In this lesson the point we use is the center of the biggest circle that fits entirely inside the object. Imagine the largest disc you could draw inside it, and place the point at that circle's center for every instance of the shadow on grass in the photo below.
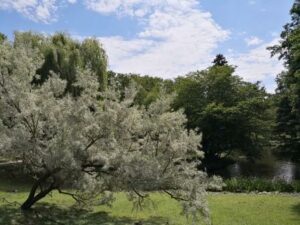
(296, 208)
(13, 179)
(48, 214)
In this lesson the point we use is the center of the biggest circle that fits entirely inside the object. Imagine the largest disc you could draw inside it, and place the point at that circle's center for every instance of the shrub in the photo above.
(260, 185)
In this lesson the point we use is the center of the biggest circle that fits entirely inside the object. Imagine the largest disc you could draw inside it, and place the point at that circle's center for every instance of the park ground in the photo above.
(226, 209)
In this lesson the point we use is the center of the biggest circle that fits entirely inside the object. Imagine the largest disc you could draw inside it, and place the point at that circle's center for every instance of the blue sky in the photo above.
(163, 38)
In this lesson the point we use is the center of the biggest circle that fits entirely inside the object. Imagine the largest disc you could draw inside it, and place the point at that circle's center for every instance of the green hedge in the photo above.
(260, 185)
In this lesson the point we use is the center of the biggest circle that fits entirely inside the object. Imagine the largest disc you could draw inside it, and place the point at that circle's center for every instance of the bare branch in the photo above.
(139, 194)
(175, 197)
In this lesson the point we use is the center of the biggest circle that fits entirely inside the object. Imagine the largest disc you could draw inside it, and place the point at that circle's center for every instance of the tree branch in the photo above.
(139, 194)
(175, 197)
(76, 198)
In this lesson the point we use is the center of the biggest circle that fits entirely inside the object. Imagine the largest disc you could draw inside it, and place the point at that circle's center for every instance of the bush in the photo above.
(260, 185)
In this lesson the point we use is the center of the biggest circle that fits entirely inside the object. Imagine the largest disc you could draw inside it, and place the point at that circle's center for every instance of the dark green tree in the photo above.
(3, 37)
(288, 91)
(231, 114)
(220, 60)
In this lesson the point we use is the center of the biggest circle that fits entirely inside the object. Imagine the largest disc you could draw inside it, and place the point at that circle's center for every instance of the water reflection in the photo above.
(268, 168)
(286, 171)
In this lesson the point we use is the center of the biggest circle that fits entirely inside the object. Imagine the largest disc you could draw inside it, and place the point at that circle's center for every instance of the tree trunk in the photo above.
(31, 200)
(33, 197)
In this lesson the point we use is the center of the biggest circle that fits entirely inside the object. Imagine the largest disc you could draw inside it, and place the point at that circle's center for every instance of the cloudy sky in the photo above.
(163, 38)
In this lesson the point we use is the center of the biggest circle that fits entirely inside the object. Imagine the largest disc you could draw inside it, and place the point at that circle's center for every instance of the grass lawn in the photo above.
(226, 209)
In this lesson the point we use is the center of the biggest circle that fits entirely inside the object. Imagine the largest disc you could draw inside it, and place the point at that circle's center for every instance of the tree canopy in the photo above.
(288, 91)
(63, 55)
(231, 114)
(90, 145)
(149, 88)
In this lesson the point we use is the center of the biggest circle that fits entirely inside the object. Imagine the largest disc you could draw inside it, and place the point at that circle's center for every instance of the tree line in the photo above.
(233, 116)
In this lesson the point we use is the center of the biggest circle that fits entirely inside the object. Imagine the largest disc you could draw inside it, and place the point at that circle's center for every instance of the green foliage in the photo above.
(260, 185)
(65, 56)
(94, 143)
(2, 38)
(288, 91)
(95, 59)
(149, 88)
(231, 114)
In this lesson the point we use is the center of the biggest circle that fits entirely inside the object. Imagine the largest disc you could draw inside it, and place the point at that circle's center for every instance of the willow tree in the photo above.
(63, 55)
(94, 147)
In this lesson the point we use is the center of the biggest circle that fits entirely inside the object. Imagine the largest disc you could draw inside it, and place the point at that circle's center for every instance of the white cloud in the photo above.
(176, 40)
(252, 41)
(133, 7)
(257, 64)
(177, 37)
(72, 1)
(36, 10)
(120, 49)
(43, 11)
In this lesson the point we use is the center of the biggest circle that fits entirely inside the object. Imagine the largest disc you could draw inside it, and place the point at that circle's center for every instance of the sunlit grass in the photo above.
(226, 209)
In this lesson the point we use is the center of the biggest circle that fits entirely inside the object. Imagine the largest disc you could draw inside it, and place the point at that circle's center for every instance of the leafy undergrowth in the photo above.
(261, 185)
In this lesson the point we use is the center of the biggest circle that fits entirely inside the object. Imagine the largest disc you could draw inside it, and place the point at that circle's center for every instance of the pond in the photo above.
(269, 167)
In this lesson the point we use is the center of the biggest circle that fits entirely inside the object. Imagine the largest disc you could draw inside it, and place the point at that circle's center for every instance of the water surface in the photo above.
(269, 167)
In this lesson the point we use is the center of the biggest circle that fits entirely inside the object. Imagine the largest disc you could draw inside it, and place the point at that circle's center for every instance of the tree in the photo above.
(288, 91)
(2, 38)
(95, 59)
(94, 147)
(231, 114)
(220, 60)
(63, 55)
(149, 88)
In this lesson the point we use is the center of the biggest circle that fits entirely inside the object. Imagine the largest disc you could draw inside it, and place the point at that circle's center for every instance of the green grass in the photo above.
(226, 209)
(251, 209)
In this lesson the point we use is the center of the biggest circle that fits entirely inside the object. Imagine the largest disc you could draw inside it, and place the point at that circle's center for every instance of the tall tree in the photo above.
(63, 56)
(94, 146)
(288, 91)
(230, 113)
(95, 59)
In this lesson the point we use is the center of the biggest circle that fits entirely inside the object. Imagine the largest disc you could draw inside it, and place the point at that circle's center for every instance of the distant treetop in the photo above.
(3, 37)
(220, 60)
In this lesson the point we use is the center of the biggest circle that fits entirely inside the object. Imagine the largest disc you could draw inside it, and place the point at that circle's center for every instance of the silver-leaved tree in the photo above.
(93, 145)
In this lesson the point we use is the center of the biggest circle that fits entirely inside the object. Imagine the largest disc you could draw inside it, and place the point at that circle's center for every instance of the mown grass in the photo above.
(226, 209)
